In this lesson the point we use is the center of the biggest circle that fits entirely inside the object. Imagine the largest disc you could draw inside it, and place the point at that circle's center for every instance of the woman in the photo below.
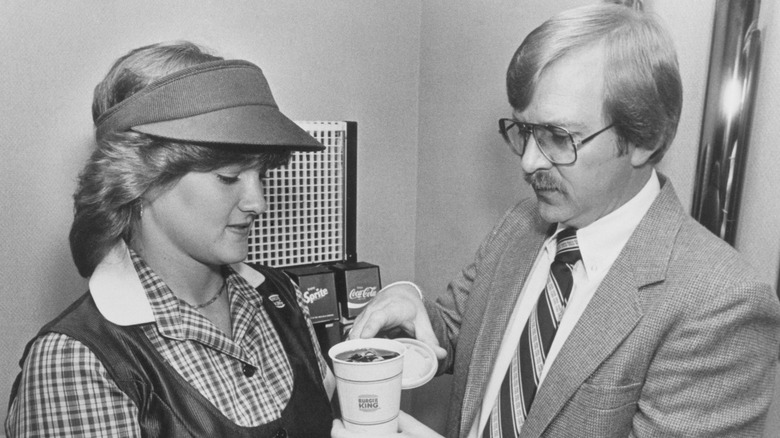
(175, 336)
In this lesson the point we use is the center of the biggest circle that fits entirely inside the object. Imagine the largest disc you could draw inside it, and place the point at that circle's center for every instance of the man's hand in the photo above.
(408, 427)
(397, 306)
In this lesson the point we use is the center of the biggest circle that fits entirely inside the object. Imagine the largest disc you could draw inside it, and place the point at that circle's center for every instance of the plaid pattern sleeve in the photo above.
(315, 341)
(66, 391)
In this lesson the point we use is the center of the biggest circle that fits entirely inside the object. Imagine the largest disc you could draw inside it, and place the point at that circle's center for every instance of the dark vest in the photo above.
(169, 406)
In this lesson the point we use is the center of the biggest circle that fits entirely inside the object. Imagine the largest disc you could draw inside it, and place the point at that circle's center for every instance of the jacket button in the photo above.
(281, 433)
(249, 370)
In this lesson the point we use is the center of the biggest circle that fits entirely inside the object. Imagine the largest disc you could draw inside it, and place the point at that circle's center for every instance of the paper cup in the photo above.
(369, 392)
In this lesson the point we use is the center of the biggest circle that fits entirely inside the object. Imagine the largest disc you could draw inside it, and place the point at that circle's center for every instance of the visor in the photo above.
(218, 102)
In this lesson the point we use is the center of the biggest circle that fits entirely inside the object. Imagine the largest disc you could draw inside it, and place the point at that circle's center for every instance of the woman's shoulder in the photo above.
(55, 364)
(55, 359)
(277, 278)
(58, 347)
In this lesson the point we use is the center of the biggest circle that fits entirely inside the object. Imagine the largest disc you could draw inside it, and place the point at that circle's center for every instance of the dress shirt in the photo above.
(600, 244)
(127, 292)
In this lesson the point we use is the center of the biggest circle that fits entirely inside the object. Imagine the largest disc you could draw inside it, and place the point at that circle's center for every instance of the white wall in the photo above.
(342, 60)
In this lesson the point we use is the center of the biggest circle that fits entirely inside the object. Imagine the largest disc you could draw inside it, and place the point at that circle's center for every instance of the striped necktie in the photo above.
(522, 378)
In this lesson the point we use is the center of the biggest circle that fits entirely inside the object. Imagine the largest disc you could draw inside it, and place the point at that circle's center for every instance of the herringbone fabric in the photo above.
(659, 351)
(522, 378)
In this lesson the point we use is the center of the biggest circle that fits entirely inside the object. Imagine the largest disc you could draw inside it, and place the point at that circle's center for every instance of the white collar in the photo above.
(601, 242)
(121, 298)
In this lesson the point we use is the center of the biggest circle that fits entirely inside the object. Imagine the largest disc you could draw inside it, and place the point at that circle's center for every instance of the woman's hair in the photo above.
(643, 90)
(127, 165)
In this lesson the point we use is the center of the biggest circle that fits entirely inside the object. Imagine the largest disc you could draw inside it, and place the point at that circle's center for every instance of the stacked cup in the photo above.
(370, 374)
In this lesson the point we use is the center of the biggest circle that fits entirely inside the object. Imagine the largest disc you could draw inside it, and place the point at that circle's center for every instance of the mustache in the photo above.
(543, 181)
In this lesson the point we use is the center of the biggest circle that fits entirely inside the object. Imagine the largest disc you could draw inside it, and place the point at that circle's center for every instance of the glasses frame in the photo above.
(504, 124)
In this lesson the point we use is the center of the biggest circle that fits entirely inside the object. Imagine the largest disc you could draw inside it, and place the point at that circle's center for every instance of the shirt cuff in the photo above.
(406, 283)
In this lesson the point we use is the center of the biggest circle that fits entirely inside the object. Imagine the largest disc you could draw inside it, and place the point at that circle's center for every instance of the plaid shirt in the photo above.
(66, 391)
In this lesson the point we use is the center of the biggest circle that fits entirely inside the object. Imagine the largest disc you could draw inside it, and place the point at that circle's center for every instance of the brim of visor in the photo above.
(256, 128)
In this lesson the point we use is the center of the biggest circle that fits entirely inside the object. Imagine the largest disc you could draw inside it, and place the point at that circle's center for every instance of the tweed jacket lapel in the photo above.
(614, 310)
(504, 290)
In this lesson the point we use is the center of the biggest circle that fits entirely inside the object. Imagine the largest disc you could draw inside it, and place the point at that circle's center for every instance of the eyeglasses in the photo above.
(556, 144)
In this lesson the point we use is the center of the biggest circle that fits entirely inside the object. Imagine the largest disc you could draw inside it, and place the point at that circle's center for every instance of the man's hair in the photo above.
(127, 165)
(642, 86)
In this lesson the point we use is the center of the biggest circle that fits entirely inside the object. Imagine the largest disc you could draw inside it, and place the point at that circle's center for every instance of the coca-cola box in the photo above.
(356, 284)
(317, 284)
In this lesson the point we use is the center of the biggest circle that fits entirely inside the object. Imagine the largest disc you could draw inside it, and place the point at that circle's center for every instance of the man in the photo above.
(599, 308)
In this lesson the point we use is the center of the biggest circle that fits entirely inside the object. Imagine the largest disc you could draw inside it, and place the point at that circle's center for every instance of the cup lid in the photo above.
(420, 363)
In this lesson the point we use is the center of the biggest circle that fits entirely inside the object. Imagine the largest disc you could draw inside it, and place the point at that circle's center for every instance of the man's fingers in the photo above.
(382, 313)
(368, 324)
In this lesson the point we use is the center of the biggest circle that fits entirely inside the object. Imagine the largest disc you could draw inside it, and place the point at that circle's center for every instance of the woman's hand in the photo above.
(408, 427)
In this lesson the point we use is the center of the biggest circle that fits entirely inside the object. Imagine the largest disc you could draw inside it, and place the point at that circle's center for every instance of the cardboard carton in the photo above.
(317, 284)
(356, 284)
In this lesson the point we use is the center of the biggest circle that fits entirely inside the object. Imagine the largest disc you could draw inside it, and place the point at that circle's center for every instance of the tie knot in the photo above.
(568, 251)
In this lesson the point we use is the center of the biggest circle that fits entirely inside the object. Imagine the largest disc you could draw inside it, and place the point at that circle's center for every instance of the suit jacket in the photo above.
(680, 339)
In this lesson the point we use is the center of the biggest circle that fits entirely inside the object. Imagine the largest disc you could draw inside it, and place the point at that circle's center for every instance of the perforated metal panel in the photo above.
(309, 218)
